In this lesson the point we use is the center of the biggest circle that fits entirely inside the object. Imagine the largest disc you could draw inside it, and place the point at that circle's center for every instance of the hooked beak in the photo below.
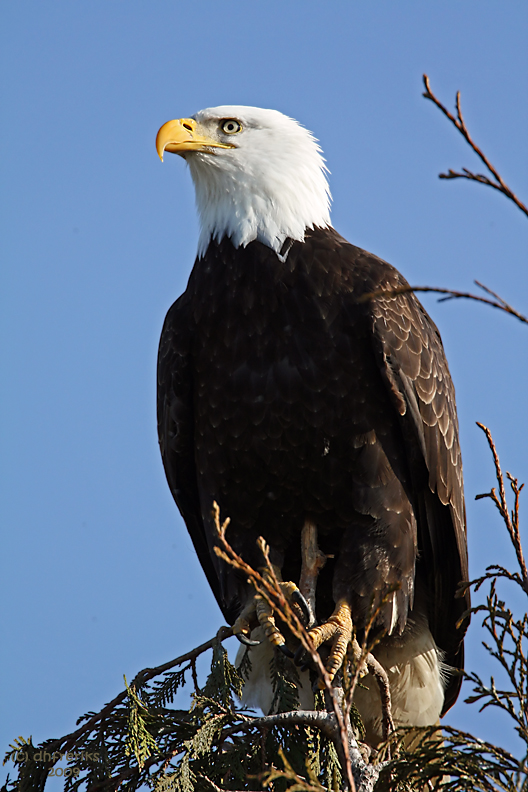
(182, 135)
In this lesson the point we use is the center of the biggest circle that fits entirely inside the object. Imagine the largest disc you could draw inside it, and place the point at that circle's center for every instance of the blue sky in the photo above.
(98, 240)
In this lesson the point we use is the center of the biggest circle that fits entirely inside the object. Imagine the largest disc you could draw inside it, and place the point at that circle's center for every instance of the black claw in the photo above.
(298, 598)
(247, 641)
(285, 651)
(299, 656)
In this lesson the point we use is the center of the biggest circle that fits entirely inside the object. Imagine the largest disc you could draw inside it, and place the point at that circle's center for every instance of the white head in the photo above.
(257, 174)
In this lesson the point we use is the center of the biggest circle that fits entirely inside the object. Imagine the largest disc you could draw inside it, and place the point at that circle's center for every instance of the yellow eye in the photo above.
(231, 126)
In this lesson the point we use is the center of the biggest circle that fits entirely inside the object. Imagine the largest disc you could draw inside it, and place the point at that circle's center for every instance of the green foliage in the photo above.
(288, 774)
(452, 761)
(224, 680)
(139, 742)
(285, 681)
(31, 774)
(246, 665)
(164, 690)
(20, 745)
(326, 760)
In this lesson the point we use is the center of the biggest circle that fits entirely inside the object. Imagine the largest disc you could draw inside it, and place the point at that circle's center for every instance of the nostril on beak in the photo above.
(187, 126)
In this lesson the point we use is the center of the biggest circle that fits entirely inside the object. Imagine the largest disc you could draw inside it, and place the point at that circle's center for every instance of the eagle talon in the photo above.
(259, 612)
(246, 619)
(299, 600)
(300, 658)
(247, 641)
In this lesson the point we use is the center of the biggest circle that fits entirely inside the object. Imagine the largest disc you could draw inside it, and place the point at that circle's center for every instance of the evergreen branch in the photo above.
(289, 774)
(285, 682)
(139, 742)
(449, 759)
(66, 743)
(165, 690)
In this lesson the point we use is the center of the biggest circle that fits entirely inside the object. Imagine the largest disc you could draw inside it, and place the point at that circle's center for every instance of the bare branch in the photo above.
(499, 183)
(272, 593)
(363, 661)
(451, 294)
(511, 520)
(324, 721)
(377, 670)
(312, 563)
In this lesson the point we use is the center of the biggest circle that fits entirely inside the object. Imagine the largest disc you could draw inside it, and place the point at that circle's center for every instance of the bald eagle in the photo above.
(291, 399)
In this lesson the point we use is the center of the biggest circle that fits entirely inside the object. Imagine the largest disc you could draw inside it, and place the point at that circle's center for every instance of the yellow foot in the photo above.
(338, 628)
(258, 611)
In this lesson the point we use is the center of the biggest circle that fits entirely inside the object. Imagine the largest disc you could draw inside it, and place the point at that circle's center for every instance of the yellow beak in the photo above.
(182, 135)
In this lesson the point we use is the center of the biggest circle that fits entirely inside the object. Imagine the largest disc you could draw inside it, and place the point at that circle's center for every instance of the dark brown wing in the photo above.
(176, 430)
(414, 365)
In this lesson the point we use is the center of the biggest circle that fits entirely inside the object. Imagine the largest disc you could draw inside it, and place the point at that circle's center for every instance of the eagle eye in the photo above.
(231, 126)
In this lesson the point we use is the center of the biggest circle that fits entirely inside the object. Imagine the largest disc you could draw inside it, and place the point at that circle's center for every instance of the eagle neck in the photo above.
(269, 210)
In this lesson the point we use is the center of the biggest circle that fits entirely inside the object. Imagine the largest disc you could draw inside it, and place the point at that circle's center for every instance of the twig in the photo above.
(299, 630)
(272, 592)
(324, 721)
(499, 303)
(377, 670)
(312, 563)
(499, 183)
(289, 774)
(511, 520)
(363, 657)
(215, 787)
(194, 675)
